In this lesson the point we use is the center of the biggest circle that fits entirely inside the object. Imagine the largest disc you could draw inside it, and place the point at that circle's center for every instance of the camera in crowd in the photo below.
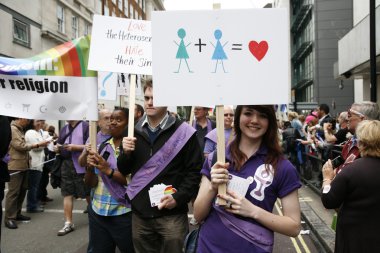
(337, 161)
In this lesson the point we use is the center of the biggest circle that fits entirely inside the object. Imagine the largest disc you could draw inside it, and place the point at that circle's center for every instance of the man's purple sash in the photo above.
(116, 190)
(255, 234)
(158, 162)
(76, 138)
(214, 137)
(209, 125)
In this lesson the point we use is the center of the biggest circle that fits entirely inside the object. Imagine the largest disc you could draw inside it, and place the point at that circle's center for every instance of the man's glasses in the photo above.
(228, 114)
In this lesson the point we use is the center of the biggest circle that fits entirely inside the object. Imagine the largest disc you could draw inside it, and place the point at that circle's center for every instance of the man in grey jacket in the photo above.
(18, 166)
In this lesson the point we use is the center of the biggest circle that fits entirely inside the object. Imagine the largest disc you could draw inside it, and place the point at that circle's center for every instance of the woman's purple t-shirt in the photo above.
(214, 237)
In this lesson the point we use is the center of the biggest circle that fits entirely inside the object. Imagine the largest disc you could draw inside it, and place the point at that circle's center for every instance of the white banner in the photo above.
(220, 57)
(49, 97)
(121, 45)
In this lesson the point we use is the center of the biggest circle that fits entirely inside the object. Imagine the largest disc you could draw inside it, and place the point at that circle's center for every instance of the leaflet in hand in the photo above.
(158, 191)
(239, 185)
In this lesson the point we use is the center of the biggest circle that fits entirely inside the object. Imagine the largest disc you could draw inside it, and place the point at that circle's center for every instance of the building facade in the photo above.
(31, 27)
(315, 29)
(354, 51)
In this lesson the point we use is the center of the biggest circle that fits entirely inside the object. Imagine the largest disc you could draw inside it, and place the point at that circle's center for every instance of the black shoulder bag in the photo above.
(55, 174)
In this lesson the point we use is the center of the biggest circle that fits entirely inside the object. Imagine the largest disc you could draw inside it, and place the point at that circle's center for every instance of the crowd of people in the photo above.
(176, 162)
(349, 177)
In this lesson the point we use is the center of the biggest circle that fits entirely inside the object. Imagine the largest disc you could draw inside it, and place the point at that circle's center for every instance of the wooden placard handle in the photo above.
(93, 133)
(221, 151)
(191, 119)
(132, 102)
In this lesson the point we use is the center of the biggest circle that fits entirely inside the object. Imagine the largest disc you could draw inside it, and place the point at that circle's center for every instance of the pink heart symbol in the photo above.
(258, 50)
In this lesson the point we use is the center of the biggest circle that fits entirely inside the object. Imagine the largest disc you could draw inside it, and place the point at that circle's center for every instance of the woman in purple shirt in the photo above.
(255, 168)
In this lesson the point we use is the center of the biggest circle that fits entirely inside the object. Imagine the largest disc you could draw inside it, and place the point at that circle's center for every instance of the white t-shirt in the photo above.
(37, 154)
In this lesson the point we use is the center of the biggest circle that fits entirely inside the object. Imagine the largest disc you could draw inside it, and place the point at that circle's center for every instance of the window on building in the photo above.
(21, 32)
(61, 18)
(126, 7)
(120, 4)
(106, 10)
(87, 29)
(75, 27)
(130, 11)
(99, 7)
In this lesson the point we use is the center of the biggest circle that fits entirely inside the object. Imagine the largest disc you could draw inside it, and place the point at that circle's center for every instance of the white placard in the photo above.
(107, 82)
(121, 45)
(49, 97)
(123, 87)
(122, 84)
(220, 57)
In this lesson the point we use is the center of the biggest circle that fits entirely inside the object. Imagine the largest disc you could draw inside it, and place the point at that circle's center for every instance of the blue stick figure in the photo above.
(182, 52)
(219, 54)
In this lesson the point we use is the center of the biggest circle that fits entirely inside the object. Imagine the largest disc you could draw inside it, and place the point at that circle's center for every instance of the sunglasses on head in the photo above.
(352, 111)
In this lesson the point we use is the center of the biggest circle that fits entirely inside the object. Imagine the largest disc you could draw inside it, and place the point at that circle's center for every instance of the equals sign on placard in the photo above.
(237, 46)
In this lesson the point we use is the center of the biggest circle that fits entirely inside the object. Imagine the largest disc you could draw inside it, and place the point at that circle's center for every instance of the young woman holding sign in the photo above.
(257, 174)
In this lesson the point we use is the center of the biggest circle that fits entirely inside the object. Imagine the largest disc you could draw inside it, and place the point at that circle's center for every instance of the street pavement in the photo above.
(40, 234)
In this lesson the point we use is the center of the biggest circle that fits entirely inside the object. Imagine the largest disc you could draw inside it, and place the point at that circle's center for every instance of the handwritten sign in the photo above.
(221, 57)
(121, 45)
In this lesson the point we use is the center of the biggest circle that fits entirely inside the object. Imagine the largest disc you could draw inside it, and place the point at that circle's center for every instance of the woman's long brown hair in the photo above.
(270, 138)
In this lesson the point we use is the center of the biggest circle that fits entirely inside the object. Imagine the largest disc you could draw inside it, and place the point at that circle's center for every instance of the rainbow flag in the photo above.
(54, 84)
(68, 59)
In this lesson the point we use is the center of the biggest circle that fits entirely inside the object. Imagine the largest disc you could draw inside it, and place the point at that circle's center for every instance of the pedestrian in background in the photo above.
(202, 124)
(254, 157)
(355, 192)
(37, 155)
(323, 112)
(341, 135)
(49, 161)
(357, 113)
(19, 167)
(211, 137)
(71, 143)
(295, 122)
(5, 140)
(139, 112)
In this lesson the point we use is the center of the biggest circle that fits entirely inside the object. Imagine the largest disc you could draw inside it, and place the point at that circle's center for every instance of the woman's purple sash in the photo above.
(116, 190)
(158, 162)
(255, 234)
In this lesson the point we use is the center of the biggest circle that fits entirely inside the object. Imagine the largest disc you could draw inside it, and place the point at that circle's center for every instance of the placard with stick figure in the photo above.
(221, 57)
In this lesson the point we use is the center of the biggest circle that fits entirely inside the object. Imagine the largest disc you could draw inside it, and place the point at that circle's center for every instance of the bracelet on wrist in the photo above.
(90, 169)
(111, 174)
(327, 179)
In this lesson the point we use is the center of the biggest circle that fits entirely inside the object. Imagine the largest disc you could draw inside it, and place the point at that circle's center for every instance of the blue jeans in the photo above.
(32, 201)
